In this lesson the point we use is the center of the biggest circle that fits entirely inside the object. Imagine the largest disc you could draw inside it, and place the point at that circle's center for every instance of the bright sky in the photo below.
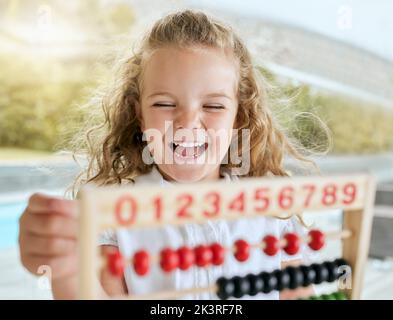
(364, 23)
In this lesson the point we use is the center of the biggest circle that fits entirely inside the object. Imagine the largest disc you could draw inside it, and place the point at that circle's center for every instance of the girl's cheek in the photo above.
(158, 120)
(165, 119)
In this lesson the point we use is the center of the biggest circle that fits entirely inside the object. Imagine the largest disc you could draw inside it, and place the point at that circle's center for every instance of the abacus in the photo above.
(152, 206)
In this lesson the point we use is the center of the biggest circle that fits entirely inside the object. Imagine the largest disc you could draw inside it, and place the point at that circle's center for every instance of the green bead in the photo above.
(332, 296)
(340, 295)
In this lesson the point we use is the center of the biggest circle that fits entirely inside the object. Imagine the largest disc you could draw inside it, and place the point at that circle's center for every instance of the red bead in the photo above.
(116, 263)
(218, 254)
(203, 255)
(293, 243)
(242, 250)
(141, 262)
(317, 239)
(169, 260)
(272, 245)
(186, 257)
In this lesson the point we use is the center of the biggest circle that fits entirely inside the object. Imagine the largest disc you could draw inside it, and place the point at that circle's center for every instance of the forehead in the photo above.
(196, 69)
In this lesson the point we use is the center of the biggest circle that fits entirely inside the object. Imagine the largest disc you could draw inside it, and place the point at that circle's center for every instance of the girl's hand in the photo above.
(48, 235)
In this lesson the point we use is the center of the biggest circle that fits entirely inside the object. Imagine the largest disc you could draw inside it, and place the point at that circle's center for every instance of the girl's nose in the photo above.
(188, 119)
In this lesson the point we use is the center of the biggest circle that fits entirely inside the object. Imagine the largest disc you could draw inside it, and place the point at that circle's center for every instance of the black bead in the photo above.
(282, 279)
(321, 273)
(226, 288)
(269, 282)
(296, 277)
(340, 262)
(332, 271)
(242, 286)
(343, 268)
(256, 284)
(309, 275)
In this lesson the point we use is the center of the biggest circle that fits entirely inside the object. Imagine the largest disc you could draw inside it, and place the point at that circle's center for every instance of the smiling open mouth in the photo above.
(188, 150)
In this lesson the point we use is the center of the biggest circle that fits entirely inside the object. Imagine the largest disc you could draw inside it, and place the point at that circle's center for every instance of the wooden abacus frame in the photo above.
(146, 206)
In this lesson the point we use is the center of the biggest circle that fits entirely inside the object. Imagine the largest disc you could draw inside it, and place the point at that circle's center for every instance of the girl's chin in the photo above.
(187, 173)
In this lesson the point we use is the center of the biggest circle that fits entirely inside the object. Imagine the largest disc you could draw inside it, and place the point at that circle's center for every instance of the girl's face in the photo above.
(188, 105)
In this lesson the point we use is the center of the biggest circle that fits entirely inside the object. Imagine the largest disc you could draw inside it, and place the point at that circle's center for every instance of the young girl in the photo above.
(193, 75)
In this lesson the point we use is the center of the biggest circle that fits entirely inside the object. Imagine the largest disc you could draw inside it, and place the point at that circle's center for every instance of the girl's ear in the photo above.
(138, 112)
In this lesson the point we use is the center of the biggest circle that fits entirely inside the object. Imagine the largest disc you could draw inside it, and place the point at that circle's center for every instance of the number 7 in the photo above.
(310, 189)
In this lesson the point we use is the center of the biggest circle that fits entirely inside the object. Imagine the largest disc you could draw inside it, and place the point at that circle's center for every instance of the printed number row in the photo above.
(262, 200)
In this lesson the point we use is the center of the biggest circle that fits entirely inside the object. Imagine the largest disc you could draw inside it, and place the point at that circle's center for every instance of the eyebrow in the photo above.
(209, 95)
(217, 95)
(161, 93)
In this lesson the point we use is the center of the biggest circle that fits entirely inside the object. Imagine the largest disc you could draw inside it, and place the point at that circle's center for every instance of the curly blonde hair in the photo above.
(114, 147)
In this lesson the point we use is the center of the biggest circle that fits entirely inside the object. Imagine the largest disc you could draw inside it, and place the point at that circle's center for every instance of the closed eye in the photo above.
(214, 106)
(163, 105)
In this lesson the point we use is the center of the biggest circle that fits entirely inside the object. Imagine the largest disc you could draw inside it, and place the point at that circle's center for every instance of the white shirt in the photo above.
(224, 232)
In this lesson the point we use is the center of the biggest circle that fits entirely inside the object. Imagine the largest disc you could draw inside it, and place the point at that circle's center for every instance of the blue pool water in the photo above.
(9, 224)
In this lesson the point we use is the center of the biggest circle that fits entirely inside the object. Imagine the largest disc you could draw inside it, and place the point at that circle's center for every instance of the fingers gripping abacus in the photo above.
(149, 206)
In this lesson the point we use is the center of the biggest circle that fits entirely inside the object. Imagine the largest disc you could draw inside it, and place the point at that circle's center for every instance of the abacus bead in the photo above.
(295, 277)
(293, 243)
(116, 263)
(169, 260)
(340, 295)
(331, 297)
(282, 278)
(321, 273)
(242, 250)
(332, 271)
(256, 284)
(272, 245)
(218, 252)
(340, 262)
(186, 257)
(317, 239)
(226, 288)
(269, 282)
(141, 262)
(242, 286)
(203, 255)
(308, 275)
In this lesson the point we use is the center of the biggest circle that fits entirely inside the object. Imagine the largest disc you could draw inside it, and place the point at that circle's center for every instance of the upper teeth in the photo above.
(189, 144)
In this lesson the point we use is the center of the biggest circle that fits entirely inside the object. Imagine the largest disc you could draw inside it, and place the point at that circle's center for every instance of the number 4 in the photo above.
(237, 204)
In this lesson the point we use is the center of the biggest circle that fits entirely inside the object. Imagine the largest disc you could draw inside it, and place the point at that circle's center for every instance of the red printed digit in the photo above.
(238, 204)
(187, 200)
(285, 198)
(350, 192)
(125, 218)
(329, 195)
(262, 198)
(310, 189)
(214, 199)
(157, 202)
